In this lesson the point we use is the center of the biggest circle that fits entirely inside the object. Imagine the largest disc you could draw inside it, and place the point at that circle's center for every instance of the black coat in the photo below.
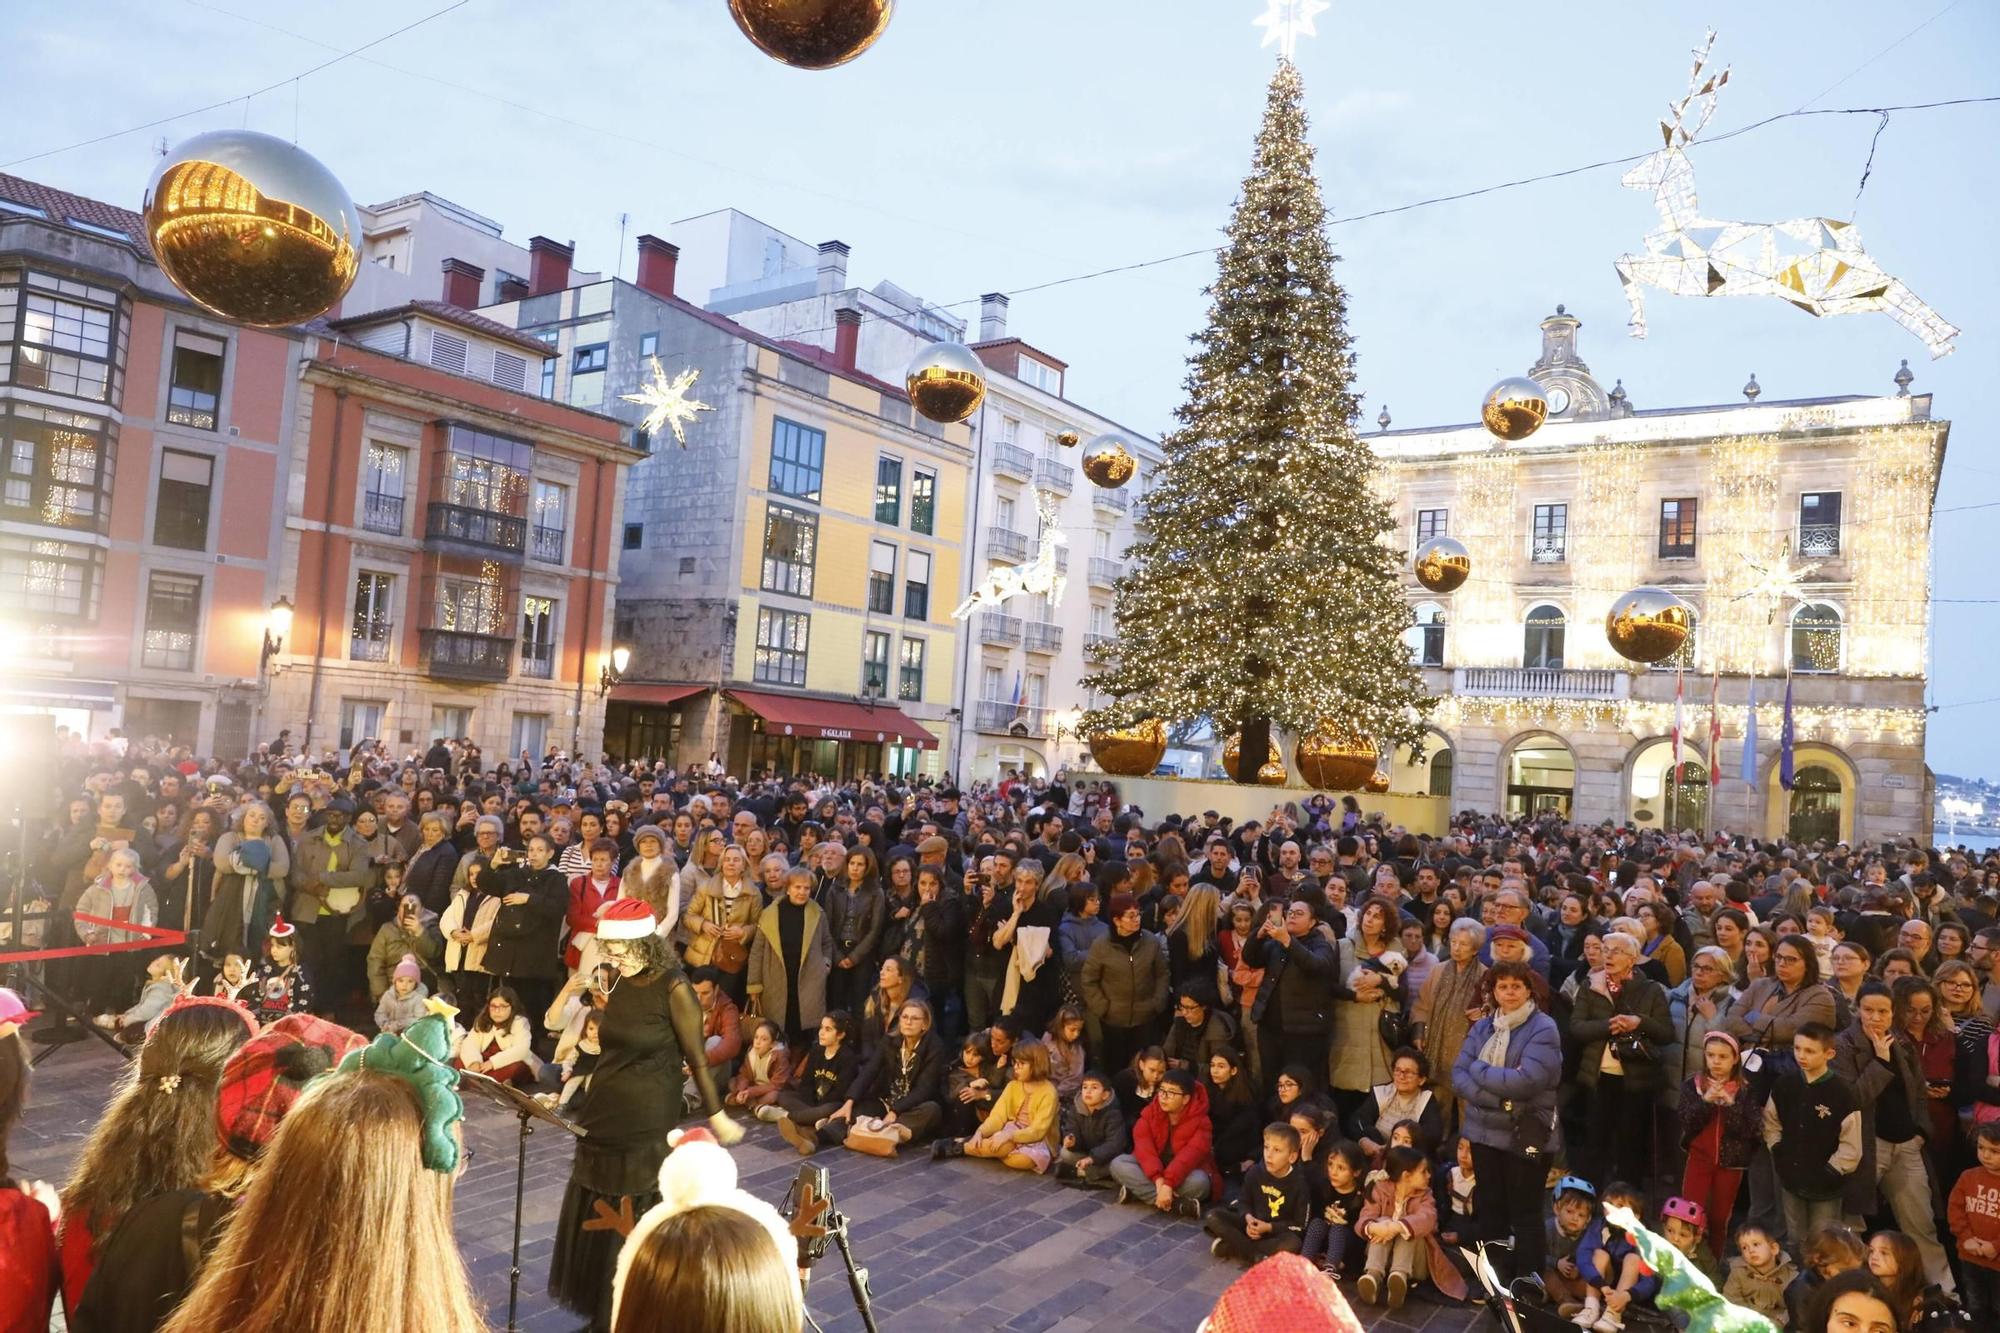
(1298, 978)
(873, 1084)
(526, 936)
(430, 873)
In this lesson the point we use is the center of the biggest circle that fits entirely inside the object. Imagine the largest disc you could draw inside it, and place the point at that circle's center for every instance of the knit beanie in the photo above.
(650, 831)
(408, 968)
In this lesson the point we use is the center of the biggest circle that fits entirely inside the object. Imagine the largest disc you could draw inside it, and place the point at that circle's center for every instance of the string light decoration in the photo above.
(1265, 492)
(1887, 625)
(1285, 21)
(667, 403)
(1743, 520)
(1602, 542)
(1815, 264)
(1483, 610)
(1644, 720)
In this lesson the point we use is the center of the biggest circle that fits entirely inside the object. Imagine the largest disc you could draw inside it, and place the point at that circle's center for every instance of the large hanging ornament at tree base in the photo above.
(1328, 763)
(1377, 784)
(1271, 774)
(1648, 625)
(946, 382)
(1130, 752)
(1108, 462)
(812, 34)
(1514, 408)
(252, 228)
(1443, 564)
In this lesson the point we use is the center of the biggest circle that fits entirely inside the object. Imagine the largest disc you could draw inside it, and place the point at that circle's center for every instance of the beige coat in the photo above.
(709, 905)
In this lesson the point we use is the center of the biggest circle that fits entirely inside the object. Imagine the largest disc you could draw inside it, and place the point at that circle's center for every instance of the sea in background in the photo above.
(1975, 840)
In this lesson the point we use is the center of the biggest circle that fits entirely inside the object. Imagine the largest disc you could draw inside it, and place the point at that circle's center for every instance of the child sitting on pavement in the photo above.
(1270, 1217)
(1093, 1133)
(1759, 1275)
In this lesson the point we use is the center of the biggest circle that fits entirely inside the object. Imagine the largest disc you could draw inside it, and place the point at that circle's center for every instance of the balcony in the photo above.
(1819, 541)
(1054, 475)
(479, 529)
(994, 628)
(546, 544)
(1549, 552)
(1006, 544)
(1541, 683)
(1114, 502)
(1002, 717)
(1093, 642)
(1104, 572)
(1010, 460)
(382, 513)
(1042, 636)
(538, 661)
(453, 655)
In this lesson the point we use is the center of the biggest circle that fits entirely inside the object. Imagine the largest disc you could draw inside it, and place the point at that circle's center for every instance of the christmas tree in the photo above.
(1261, 591)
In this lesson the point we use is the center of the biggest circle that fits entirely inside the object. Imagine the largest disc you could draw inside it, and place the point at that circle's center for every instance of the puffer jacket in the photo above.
(1590, 1028)
(1125, 981)
(1168, 1150)
(1682, 1057)
(1495, 1096)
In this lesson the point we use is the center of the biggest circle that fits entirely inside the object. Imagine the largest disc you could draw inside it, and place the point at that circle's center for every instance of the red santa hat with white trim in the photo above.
(626, 919)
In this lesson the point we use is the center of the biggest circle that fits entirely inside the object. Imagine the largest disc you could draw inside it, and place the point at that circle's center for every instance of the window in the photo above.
(1551, 534)
(538, 637)
(374, 617)
(173, 613)
(1677, 524)
(1542, 646)
(882, 579)
(1044, 377)
(649, 344)
(1038, 689)
(1003, 512)
(634, 536)
(531, 735)
(991, 681)
(470, 605)
(195, 391)
(910, 676)
(57, 468)
(448, 351)
(1426, 636)
(781, 647)
(548, 518)
(66, 334)
(382, 494)
(796, 455)
(551, 337)
(25, 210)
(1100, 620)
(1100, 543)
(51, 578)
(1433, 523)
(360, 720)
(1819, 524)
(592, 357)
(1816, 638)
(875, 664)
(108, 233)
(917, 586)
(487, 473)
(791, 540)
(889, 490)
(449, 721)
(1010, 428)
(923, 501)
(180, 516)
(642, 439)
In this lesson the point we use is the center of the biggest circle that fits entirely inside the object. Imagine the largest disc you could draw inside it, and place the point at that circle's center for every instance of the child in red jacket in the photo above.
(1172, 1162)
(587, 893)
(1974, 1214)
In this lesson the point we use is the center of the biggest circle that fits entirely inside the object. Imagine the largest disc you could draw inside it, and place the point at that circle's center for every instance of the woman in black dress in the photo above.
(650, 1017)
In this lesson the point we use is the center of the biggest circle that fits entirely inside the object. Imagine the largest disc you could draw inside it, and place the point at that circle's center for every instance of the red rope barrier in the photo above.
(156, 937)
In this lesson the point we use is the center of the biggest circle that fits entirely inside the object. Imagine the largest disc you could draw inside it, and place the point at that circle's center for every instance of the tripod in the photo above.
(815, 1221)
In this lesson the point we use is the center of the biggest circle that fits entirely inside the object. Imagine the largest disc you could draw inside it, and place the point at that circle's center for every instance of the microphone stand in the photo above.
(527, 1110)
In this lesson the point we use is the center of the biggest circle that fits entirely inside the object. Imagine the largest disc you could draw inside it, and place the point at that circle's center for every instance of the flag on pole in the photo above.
(1749, 773)
(1786, 738)
(1714, 731)
(1019, 697)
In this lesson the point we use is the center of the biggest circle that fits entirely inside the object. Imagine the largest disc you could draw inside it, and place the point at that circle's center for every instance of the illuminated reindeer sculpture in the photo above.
(1039, 575)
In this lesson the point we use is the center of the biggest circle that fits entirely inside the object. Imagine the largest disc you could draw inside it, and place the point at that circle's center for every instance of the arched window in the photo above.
(1816, 638)
(1542, 639)
(1441, 767)
(1685, 657)
(1426, 637)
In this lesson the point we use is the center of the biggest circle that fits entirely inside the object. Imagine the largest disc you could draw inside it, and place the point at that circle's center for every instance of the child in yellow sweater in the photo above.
(1021, 1128)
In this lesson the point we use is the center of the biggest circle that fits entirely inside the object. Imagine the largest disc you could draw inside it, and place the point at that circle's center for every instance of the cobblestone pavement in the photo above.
(962, 1245)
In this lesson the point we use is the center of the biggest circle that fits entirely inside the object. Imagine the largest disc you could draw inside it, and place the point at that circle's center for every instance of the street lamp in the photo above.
(277, 628)
(613, 671)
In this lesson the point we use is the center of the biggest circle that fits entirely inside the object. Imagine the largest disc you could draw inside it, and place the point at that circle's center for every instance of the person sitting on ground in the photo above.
(1829, 1252)
(1233, 1114)
(406, 1000)
(1574, 1209)
(1330, 1234)
(969, 1088)
(1021, 1128)
(578, 1060)
(1273, 1207)
(500, 1043)
(895, 1098)
(1093, 1133)
(822, 1081)
(1399, 1223)
(1760, 1274)
(1685, 1225)
(1614, 1273)
(1065, 1045)
(1172, 1162)
(164, 985)
(403, 937)
(1137, 1084)
(764, 1073)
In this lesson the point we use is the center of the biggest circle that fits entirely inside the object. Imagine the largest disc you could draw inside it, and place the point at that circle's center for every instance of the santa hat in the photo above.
(1284, 1291)
(282, 929)
(700, 1173)
(626, 919)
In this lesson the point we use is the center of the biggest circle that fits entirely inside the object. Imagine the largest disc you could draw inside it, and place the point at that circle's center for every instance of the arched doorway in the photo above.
(1540, 776)
(1661, 799)
(1816, 804)
(1429, 776)
(1824, 802)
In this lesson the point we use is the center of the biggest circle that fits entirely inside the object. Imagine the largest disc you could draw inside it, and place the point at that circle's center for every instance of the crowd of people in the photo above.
(1315, 1033)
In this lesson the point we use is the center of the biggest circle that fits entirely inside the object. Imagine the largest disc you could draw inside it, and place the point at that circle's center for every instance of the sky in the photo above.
(992, 145)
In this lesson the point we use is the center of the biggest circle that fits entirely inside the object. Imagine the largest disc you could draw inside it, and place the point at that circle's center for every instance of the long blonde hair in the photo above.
(1197, 919)
(341, 1217)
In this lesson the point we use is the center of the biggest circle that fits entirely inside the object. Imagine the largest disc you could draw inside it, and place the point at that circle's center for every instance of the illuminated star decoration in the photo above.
(667, 403)
(1779, 581)
(1288, 20)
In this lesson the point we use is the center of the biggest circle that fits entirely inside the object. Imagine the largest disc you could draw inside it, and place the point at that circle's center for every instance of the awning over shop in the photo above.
(635, 693)
(39, 692)
(827, 719)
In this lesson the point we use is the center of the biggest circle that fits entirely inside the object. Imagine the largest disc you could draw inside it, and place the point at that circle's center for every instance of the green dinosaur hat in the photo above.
(420, 1057)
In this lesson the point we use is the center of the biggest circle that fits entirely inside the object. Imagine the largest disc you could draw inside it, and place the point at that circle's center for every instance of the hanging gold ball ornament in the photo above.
(1442, 564)
(1068, 439)
(1108, 462)
(1377, 783)
(947, 383)
(252, 228)
(1329, 762)
(1515, 408)
(1271, 774)
(1648, 625)
(1130, 752)
(812, 34)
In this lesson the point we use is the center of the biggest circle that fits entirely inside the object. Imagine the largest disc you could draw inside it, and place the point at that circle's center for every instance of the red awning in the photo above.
(635, 693)
(790, 715)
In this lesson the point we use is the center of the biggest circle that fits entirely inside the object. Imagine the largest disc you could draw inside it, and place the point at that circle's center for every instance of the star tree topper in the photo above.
(667, 403)
(1778, 581)
(1288, 20)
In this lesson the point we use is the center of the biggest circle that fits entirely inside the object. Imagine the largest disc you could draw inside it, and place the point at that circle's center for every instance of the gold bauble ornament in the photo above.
(1108, 462)
(1068, 439)
(1377, 783)
(1130, 752)
(812, 34)
(252, 228)
(1272, 774)
(1442, 564)
(1515, 408)
(1329, 762)
(947, 382)
(1648, 625)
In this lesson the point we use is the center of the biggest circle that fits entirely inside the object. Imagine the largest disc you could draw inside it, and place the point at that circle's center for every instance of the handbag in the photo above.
(1393, 1028)
(1633, 1050)
(730, 956)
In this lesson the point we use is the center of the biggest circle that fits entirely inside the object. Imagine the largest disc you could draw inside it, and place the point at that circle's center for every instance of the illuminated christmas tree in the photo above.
(1261, 589)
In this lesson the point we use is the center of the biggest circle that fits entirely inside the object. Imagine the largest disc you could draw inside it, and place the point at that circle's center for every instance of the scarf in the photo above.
(1494, 1052)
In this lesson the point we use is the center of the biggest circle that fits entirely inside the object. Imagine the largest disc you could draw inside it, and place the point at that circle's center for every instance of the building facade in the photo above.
(1799, 531)
(140, 606)
(787, 574)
